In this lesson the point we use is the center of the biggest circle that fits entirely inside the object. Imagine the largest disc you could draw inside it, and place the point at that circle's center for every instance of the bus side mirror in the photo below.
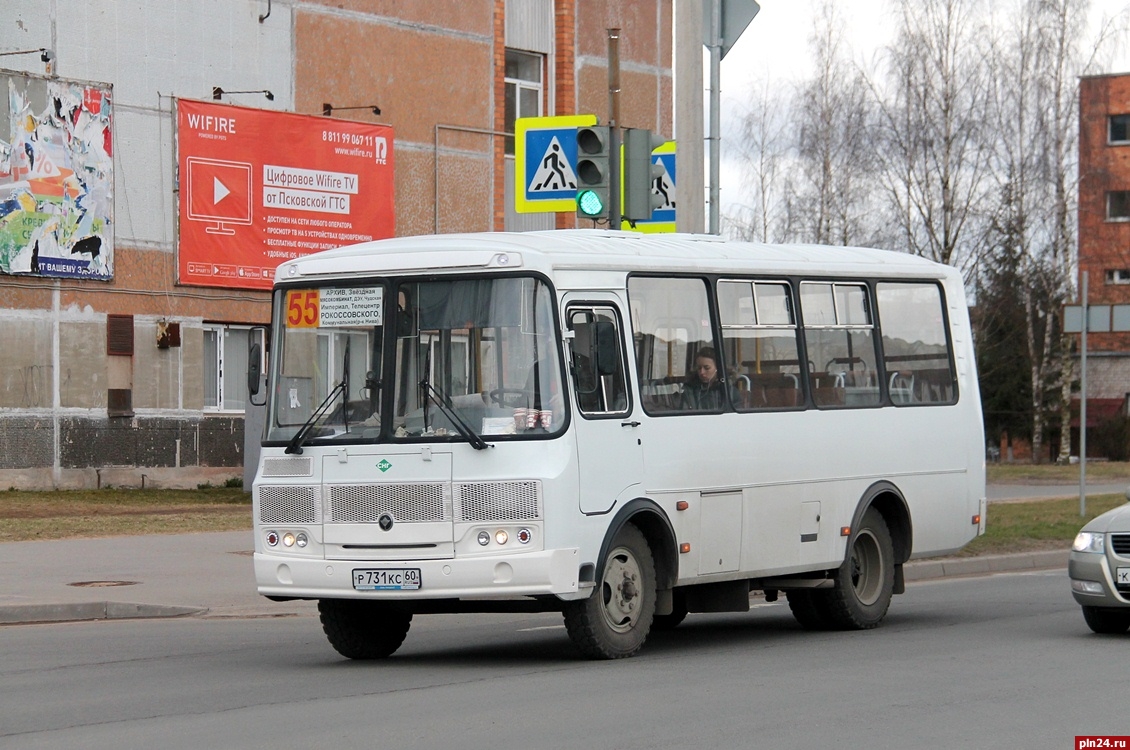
(606, 348)
(255, 367)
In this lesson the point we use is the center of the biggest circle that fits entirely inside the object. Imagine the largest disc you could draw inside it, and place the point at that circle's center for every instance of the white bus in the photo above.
(624, 428)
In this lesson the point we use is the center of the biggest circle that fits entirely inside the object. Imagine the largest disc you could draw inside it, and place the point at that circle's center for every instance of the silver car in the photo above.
(1099, 568)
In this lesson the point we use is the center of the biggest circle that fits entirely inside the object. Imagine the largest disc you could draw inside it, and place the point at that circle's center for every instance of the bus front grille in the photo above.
(366, 503)
(288, 505)
(498, 501)
(288, 467)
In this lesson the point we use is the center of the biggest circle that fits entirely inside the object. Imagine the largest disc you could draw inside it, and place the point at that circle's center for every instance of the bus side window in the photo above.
(671, 323)
(916, 350)
(840, 339)
(597, 361)
(760, 339)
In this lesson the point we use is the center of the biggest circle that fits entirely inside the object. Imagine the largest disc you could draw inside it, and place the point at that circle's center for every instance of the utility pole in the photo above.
(690, 186)
(715, 113)
(614, 220)
(1083, 405)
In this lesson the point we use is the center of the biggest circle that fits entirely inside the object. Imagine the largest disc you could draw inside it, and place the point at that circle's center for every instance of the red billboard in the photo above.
(259, 187)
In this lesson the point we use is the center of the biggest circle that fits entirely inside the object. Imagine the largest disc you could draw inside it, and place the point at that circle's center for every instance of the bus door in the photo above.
(609, 454)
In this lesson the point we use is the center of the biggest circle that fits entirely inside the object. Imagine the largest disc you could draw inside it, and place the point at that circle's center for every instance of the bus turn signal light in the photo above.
(845, 531)
(977, 520)
(682, 505)
(685, 547)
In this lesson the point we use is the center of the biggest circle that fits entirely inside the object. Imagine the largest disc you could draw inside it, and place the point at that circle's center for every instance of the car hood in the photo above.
(1114, 520)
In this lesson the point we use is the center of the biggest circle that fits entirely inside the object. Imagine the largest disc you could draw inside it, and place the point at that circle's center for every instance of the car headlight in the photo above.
(1087, 541)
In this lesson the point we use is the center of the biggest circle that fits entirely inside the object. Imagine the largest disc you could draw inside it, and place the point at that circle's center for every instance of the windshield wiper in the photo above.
(464, 429)
(342, 388)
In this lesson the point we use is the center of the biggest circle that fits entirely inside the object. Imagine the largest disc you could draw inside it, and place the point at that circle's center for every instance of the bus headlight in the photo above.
(301, 539)
(484, 538)
(501, 536)
(288, 539)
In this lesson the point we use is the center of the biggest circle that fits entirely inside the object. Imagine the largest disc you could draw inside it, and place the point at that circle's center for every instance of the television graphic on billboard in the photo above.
(259, 187)
(219, 194)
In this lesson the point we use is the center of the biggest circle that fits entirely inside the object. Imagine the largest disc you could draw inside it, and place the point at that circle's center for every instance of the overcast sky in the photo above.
(775, 47)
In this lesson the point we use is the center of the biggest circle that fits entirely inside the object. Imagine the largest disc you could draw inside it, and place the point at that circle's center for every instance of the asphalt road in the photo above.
(1000, 661)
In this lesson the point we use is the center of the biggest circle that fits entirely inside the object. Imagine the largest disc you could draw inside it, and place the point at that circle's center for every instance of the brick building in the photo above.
(1104, 243)
(134, 370)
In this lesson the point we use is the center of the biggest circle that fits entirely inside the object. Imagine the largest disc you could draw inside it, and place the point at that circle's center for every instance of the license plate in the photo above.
(1123, 576)
(386, 579)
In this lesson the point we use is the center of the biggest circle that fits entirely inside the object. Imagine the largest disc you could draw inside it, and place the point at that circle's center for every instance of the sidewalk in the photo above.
(210, 575)
(206, 575)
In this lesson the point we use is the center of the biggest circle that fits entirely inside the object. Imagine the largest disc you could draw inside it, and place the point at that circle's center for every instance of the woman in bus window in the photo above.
(706, 386)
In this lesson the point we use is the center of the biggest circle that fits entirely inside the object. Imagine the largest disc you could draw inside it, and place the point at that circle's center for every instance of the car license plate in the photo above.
(386, 579)
(1123, 576)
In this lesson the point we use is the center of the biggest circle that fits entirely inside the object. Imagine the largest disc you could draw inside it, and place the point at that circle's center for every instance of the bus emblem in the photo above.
(384, 465)
(385, 522)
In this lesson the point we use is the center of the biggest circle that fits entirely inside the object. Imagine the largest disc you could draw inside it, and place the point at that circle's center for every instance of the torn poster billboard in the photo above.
(258, 187)
(56, 178)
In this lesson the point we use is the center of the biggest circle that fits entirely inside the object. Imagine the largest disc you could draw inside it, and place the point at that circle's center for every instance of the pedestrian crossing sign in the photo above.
(662, 218)
(545, 162)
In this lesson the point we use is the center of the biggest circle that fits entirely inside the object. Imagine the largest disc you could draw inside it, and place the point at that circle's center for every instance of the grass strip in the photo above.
(68, 514)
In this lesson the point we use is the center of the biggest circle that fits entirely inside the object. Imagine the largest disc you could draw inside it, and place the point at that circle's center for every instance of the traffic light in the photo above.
(639, 174)
(593, 146)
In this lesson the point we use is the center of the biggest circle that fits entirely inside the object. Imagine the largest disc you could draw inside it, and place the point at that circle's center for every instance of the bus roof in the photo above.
(601, 250)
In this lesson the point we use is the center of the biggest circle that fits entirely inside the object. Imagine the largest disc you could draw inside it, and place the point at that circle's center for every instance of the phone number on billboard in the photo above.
(347, 139)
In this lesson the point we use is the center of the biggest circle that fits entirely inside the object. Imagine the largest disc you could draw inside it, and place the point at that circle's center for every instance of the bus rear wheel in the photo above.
(613, 622)
(363, 629)
(865, 582)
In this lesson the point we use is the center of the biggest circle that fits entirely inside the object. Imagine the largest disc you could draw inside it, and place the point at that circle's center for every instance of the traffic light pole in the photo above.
(614, 220)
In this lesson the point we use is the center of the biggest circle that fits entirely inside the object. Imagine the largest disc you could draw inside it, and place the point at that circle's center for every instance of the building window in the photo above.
(1120, 128)
(1118, 205)
(1118, 276)
(225, 366)
(523, 89)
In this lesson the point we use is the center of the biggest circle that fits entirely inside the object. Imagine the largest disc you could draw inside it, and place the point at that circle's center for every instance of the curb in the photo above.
(955, 567)
(19, 614)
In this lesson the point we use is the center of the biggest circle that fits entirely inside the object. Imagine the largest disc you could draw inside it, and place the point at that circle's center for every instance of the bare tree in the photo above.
(764, 150)
(1036, 57)
(834, 151)
(934, 140)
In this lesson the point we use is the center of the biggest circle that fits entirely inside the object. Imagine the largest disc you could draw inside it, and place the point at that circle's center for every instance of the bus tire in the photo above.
(363, 629)
(865, 582)
(1107, 620)
(613, 622)
(809, 608)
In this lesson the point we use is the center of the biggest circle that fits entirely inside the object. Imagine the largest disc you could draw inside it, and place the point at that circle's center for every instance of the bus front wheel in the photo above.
(614, 621)
(865, 582)
(362, 629)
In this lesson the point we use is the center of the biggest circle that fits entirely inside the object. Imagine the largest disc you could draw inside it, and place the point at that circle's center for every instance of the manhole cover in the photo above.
(101, 584)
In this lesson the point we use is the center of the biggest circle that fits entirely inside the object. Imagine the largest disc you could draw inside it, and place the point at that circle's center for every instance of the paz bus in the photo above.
(500, 422)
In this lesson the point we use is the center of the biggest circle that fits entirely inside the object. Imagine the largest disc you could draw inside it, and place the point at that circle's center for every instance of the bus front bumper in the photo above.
(550, 572)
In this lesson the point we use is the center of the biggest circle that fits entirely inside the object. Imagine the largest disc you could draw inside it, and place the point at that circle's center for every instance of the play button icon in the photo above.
(219, 191)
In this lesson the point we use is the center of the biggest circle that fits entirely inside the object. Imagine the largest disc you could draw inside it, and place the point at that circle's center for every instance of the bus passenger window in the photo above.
(672, 327)
(840, 343)
(916, 352)
(760, 339)
(597, 361)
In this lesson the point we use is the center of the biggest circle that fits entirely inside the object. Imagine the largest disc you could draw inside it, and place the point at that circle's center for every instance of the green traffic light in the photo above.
(589, 203)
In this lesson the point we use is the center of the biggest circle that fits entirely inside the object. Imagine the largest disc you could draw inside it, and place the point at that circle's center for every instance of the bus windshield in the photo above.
(471, 359)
